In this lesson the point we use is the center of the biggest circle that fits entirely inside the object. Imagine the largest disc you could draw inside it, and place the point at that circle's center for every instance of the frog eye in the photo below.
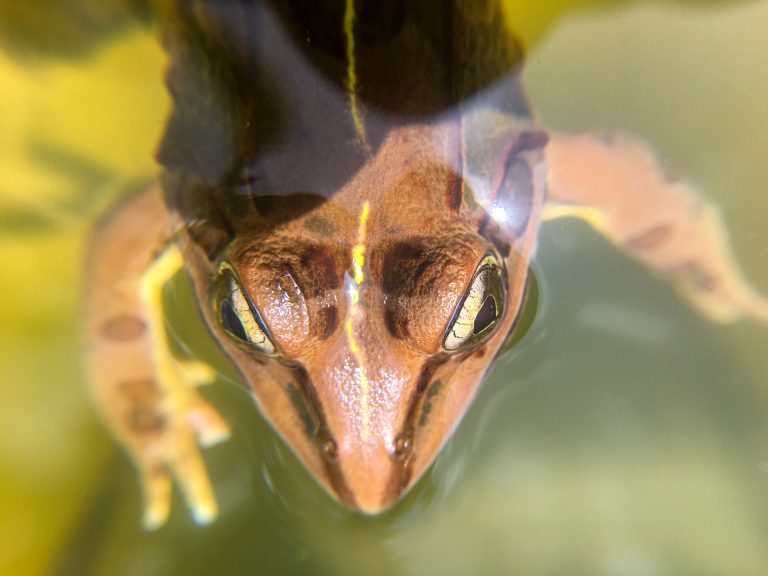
(480, 309)
(236, 314)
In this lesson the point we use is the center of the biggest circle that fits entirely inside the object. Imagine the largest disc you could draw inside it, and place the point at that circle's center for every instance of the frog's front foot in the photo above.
(149, 397)
(175, 428)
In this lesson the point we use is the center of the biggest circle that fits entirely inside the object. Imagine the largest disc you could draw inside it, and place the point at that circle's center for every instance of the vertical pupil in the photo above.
(231, 321)
(485, 316)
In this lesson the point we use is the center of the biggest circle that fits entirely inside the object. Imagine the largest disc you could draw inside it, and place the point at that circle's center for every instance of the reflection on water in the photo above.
(622, 435)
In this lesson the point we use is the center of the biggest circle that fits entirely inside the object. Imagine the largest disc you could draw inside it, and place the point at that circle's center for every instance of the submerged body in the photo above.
(356, 198)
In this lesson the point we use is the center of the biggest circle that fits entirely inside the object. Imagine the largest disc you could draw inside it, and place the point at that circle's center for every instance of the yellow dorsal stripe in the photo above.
(358, 275)
(349, 33)
(358, 250)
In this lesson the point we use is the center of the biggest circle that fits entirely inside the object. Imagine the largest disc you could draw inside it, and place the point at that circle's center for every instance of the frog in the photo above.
(355, 193)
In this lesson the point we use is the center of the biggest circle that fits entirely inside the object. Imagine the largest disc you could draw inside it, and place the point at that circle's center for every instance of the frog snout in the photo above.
(373, 472)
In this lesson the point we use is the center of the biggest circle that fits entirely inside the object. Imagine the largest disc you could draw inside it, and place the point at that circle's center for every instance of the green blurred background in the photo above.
(623, 436)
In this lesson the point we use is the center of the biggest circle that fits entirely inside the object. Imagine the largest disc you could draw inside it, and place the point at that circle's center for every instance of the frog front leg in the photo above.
(147, 396)
(618, 186)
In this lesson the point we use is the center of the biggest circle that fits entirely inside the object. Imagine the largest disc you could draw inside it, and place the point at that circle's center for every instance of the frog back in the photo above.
(276, 105)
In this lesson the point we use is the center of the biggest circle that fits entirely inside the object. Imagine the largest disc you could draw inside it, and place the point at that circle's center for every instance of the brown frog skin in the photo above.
(355, 192)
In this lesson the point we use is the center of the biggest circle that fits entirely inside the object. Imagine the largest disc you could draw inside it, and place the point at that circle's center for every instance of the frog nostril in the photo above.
(403, 445)
(330, 450)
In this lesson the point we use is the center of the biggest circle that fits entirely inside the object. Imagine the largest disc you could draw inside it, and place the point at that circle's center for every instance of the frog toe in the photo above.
(210, 426)
(157, 487)
(174, 454)
(191, 474)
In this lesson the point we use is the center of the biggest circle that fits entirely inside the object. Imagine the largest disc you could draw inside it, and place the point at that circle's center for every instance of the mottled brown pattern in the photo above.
(694, 274)
(141, 399)
(651, 238)
(124, 328)
(146, 420)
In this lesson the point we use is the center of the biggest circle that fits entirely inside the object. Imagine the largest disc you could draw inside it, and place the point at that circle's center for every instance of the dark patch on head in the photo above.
(432, 392)
(328, 321)
(420, 277)
(412, 267)
(304, 273)
(403, 269)
(320, 269)
(308, 420)
(401, 264)
(421, 387)
(322, 436)
(455, 191)
(123, 328)
(319, 225)
(434, 388)
(425, 410)
(397, 324)
(651, 238)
